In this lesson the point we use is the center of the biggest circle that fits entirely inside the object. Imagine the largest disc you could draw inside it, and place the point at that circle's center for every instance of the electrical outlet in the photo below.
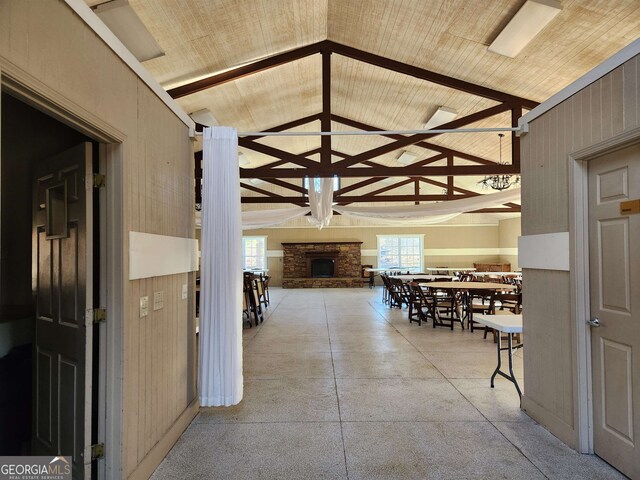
(158, 300)
(144, 306)
(185, 291)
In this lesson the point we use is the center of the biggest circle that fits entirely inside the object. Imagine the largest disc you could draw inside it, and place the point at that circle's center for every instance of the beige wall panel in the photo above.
(466, 238)
(509, 231)
(604, 109)
(51, 44)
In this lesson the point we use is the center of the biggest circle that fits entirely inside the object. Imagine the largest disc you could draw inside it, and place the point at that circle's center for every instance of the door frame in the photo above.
(32, 91)
(578, 178)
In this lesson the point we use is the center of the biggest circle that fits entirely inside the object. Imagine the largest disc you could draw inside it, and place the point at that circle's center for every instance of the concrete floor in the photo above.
(337, 385)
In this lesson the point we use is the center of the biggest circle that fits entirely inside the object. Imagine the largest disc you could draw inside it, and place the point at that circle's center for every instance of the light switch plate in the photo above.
(185, 291)
(144, 306)
(158, 300)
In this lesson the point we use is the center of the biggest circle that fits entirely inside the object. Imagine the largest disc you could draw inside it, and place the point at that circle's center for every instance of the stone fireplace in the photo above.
(321, 264)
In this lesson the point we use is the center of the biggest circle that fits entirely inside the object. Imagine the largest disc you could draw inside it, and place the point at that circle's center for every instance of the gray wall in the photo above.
(606, 108)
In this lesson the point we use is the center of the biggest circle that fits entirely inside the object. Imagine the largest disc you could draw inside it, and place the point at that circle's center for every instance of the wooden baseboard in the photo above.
(558, 427)
(151, 461)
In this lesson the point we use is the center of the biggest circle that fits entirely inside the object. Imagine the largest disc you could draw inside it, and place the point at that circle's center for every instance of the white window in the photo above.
(400, 251)
(336, 183)
(254, 253)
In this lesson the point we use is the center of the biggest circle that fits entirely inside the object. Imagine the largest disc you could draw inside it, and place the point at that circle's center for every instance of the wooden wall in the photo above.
(47, 43)
(606, 108)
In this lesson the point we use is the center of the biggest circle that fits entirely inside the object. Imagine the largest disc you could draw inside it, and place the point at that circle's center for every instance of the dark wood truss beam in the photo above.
(429, 76)
(427, 145)
(276, 152)
(290, 186)
(325, 117)
(358, 185)
(289, 125)
(348, 199)
(515, 209)
(412, 139)
(380, 171)
(356, 54)
(245, 70)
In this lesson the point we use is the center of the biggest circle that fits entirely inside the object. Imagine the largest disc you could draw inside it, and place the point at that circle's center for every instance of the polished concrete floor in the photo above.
(337, 385)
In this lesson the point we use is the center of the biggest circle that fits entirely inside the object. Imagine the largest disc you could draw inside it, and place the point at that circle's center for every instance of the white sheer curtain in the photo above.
(220, 366)
(431, 212)
(321, 201)
(268, 218)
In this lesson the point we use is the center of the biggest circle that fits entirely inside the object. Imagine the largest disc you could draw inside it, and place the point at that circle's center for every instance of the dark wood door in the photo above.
(62, 286)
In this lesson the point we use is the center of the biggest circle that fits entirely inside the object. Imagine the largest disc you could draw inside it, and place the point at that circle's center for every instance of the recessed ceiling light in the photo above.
(442, 115)
(407, 158)
(532, 17)
(242, 159)
(256, 181)
(127, 26)
(204, 117)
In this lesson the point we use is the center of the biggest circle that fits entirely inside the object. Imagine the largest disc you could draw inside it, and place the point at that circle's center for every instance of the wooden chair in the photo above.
(507, 303)
(422, 307)
(447, 304)
(396, 292)
(367, 277)
(255, 307)
(479, 301)
(263, 289)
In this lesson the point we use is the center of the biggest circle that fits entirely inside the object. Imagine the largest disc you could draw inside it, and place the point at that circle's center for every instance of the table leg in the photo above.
(513, 377)
(510, 348)
(497, 370)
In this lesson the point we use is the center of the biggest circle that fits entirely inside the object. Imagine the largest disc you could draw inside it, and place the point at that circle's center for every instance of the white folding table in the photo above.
(508, 324)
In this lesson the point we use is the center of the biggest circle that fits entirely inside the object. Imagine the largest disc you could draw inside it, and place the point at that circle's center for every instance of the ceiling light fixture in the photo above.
(528, 22)
(256, 181)
(441, 116)
(204, 117)
(242, 159)
(500, 182)
(127, 26)
(407, 158)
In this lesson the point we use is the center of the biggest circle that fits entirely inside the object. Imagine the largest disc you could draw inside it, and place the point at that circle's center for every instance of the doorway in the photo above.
(614, 266)
(39, 290)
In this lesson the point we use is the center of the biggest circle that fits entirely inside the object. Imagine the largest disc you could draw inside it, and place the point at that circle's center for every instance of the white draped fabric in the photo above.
(427, 214)
(220, 366)
(431, 212)
(321, 201)
(268, 218)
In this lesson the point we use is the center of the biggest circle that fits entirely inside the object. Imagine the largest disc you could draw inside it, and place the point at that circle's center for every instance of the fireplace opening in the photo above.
(322, 267)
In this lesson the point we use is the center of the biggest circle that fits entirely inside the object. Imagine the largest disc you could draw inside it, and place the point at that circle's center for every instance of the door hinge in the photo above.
(99, 180)
(97, 451)
(99, 315)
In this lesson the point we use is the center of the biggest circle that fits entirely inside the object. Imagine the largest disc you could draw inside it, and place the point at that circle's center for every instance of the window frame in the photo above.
(244, 256)
(419, 236)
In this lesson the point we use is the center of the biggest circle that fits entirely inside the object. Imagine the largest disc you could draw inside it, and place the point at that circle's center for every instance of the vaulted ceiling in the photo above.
(387, 65)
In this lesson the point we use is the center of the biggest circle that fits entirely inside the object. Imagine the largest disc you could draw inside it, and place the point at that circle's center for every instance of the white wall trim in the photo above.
(624, 55)
(579, 274)
(94, 23)
(157, 255)
(549, 251)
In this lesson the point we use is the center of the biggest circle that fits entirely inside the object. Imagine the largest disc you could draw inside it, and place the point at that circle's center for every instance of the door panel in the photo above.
(61, 258)
(614, 257)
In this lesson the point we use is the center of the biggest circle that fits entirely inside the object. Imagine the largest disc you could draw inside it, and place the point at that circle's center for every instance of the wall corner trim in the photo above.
(549, 251)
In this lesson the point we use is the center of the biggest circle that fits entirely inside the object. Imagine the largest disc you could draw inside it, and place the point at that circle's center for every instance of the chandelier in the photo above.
(500, 182)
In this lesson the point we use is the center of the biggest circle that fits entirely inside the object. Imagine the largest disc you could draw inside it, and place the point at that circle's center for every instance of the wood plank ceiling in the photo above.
(372, 64)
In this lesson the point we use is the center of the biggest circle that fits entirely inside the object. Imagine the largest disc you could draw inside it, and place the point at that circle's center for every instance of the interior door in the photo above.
(62, 283)
(614, 254)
